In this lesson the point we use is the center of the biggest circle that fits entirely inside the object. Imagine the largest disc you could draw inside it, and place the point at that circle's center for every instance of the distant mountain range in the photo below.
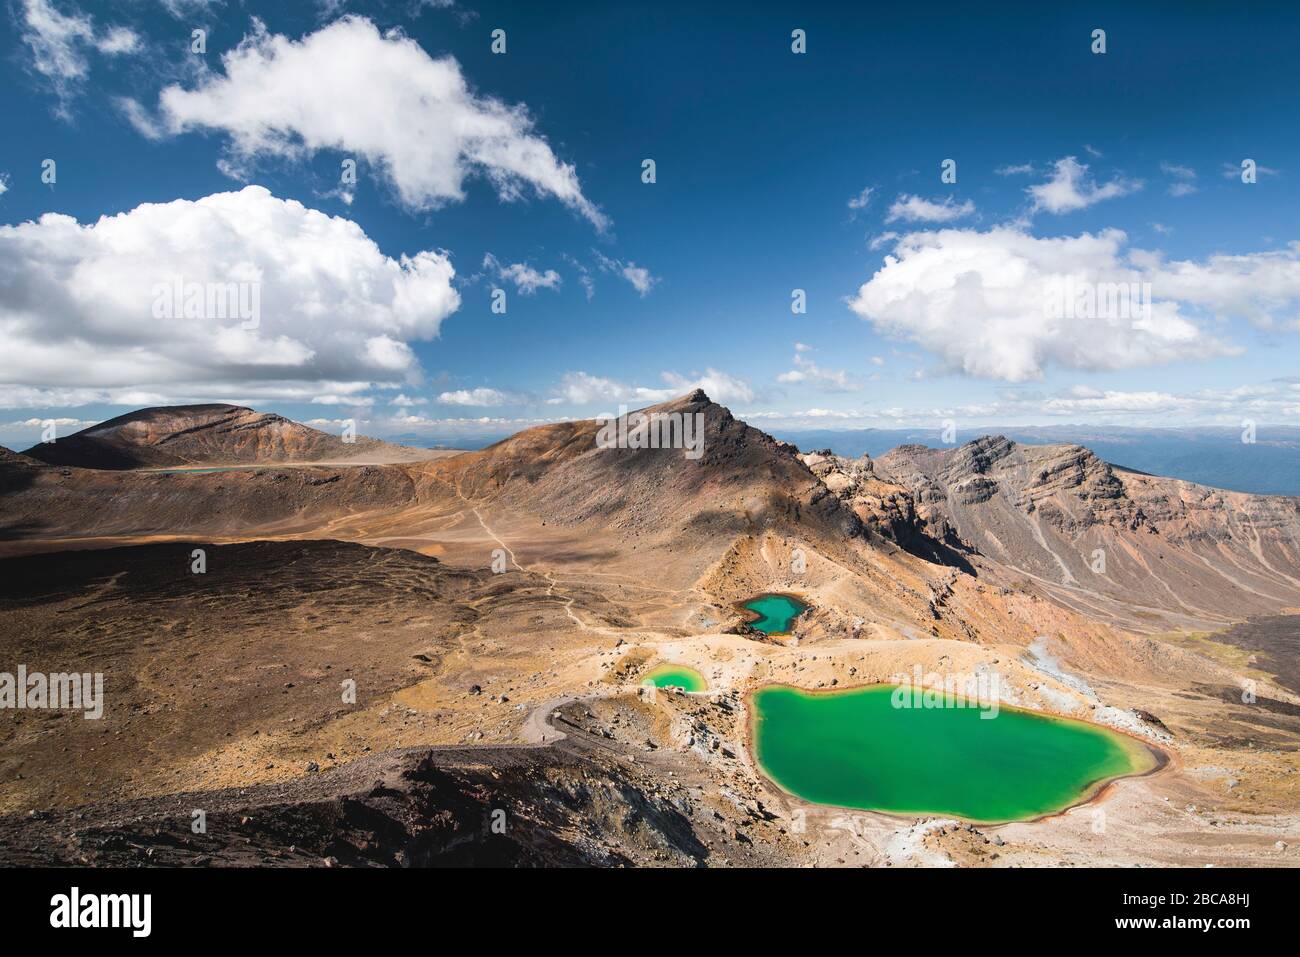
(1207, 456)
(1034, 512)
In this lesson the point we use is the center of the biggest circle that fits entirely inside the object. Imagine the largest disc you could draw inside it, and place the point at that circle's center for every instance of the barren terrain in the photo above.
(497, 608)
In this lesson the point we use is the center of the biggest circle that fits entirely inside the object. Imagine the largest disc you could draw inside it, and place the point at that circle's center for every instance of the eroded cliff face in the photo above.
(884, 507)
(1068, 485)
(1090, 531)
(890, 509)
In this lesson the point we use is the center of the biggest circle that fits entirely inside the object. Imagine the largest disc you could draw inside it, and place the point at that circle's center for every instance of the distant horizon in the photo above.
(1214, 456)
(486, 429)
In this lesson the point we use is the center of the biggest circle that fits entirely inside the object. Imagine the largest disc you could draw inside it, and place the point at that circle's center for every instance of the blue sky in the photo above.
(775, 171)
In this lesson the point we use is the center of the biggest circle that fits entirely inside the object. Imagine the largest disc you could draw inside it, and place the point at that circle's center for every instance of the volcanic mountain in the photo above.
(518, 596)
(1141, 551)
(1098, 537)
(198, 435)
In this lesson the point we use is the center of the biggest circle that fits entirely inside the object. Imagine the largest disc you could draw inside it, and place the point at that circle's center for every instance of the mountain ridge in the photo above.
(210, 434)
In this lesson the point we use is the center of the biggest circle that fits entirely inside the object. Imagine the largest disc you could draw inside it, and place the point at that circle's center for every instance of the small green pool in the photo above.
(675, 676)
(776, 613)
(856, 749)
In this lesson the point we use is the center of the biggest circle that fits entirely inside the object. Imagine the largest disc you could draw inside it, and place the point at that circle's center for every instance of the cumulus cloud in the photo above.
(1073, 187)
(720, 386)
(378, 96)
(527, 280)
(1262, 288)
(915, 209)
(480, 397)
(85, 306)
(581, 388)
(60, 44)
(404, 401)
(983, 301)
(640, 278)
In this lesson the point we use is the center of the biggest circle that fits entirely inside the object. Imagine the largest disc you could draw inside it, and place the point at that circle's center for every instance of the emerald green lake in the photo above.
(855, 749)
(675, 676)
(775, 613)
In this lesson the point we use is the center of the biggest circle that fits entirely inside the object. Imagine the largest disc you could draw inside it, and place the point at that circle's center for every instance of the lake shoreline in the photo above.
(751, 616)
(1161, 760)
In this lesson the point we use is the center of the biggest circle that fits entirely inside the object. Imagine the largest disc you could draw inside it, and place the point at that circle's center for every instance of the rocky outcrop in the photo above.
(1062, 516)
(888, 508)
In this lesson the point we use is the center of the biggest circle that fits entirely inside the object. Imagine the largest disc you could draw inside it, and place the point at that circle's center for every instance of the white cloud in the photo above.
(188, 8)
(581, 388)
(355, 401)
(527, 280)
(1233, 171)
(475, 427)
(482, 396)
(982, 301)
(1269, 402)
(61, 423)
(1262, 288)
(1275, 403)
(138, 117)
(61, 42)
(380, 97)
(79, 303)
(640, 278)
(1072, 187)
(916, 209)
(404, 401)
(861, 200)
(1182, 176)
(883, 239)
(720, 386)
(1020, 169)
(808, 372)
